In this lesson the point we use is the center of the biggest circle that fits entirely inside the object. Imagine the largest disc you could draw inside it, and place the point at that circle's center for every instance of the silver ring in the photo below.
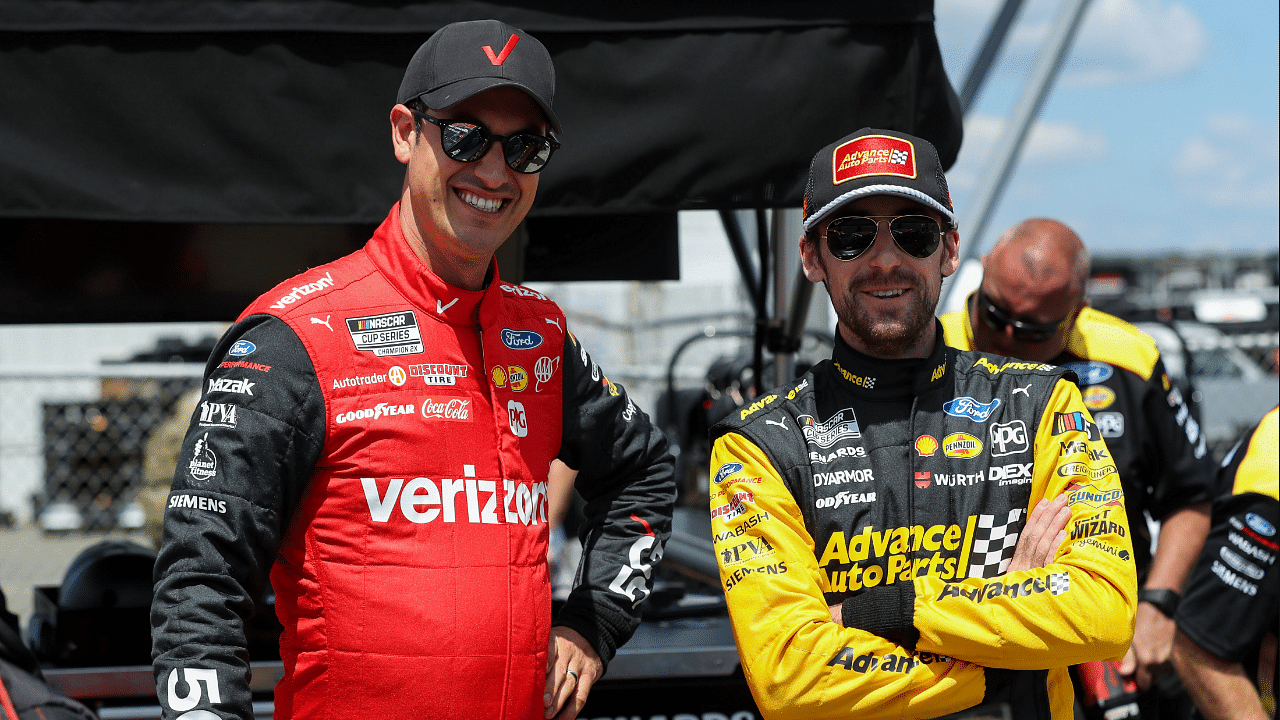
(574, 674)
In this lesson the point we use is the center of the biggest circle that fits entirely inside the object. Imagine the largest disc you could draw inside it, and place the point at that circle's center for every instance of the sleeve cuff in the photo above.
(595, 626)
(887, 611)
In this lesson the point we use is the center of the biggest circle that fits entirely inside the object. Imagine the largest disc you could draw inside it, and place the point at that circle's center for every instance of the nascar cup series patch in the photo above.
(873, 155)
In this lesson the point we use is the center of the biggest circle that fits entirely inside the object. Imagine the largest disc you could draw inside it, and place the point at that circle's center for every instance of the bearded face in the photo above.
(883, 329)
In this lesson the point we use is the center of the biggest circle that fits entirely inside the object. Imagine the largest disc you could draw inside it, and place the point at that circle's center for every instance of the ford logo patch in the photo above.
(1260, 525)
(521, 339)
(967, 407)
(242, 348)
(725, 471)
(1091, 373)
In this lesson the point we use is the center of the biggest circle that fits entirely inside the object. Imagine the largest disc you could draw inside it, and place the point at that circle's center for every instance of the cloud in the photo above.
(1232, 163)
(1050, 142)
(1119, 42)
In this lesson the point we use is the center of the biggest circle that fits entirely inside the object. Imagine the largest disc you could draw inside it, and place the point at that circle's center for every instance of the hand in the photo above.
(837, 613)
(566, 691)
(1151, 653)
(1045, 531)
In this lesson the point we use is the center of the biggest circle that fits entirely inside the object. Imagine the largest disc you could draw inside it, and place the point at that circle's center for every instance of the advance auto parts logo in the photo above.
(841, 426)
(873, 155)
(949, 552)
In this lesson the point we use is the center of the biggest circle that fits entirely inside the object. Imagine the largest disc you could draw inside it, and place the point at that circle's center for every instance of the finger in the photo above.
(1054, 529)
(569, 683)
(837, 613)
(1024, 552)
(1142, 677)
(549, 690)
(1129, 663)
(578, 699)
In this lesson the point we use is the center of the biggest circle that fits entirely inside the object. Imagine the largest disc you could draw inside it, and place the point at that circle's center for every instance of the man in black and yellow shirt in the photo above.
(867, 518)
(1225, 649)
(1031, 306)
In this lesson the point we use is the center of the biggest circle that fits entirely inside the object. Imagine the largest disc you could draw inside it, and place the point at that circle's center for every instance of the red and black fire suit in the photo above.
(378, 441)
(898, 489)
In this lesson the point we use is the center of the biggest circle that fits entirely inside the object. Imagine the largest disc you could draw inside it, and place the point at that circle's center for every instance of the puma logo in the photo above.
(553, 321)
(324, 322)
(780, 423)
(1024, 390)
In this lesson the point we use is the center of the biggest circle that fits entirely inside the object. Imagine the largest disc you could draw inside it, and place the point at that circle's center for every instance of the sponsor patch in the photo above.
(756, 406)
(735, 577)
(1091, 373)
(380, 410)
(520, 339)
(517, 378)
(397, 376)
(203, 464)
(543, 370)
(1239, 564)
(743, 526)
(386, 335)
(735, 507)
(994, 369)
(887, 663)
(845, 498)
(725, 471)
(1055, 584)
(499, 375)
(842, 477)
(217, 414)
(923, 479)
(245, 365)
(1233, 580)
(197, 502)
(841, 426)
(241, 348)
(438, 373)
(1074, 422)
(1259, 524)
(959, 479)
(1079, 469)
(822, 458)
(1015, 474)
(446, 409)
(1081, 447)
(862, 381)
(753, 549)
(967, 407)
(926, 445)
(1087, 495)
(300, 291)
(454, 500)
(239, 386)
(517, 419)
(961, 445)
(1110, 424)
(1098, 397)
(873, 155)
(1008, 438)
(519, 291)
(339, 383)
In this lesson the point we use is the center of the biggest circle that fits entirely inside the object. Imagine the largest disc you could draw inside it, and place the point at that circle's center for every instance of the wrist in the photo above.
(1164, 599)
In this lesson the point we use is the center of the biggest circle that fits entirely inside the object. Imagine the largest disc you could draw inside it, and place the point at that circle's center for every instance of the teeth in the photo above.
(479, 203)
(887, 293)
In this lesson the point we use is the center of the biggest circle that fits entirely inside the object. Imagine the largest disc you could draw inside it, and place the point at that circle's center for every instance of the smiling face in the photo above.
(884, 299)
(454, 214)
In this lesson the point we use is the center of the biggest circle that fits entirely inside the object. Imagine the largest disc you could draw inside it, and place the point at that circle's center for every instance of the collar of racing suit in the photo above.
(877, 379)
(396, 261)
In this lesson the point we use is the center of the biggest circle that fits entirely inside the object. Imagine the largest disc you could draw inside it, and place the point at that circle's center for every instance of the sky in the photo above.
(1160, 135)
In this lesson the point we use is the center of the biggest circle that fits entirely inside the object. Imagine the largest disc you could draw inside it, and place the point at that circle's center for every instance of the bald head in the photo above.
(1037, 274)
(1049, 254)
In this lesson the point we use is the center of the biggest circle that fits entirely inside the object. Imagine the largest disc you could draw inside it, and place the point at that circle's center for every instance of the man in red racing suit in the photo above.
(376, 435)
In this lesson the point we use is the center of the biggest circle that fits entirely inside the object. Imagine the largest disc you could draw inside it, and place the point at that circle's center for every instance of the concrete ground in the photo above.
(29, 558)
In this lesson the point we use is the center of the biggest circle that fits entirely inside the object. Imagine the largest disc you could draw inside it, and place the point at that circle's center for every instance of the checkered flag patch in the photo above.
(1059, 582)
(898, 157)
(993, 545)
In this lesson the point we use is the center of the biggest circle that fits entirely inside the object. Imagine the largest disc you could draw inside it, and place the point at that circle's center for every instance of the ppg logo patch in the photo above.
(1008, 438)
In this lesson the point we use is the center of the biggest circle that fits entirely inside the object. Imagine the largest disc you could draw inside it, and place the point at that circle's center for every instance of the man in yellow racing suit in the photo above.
(866, 517)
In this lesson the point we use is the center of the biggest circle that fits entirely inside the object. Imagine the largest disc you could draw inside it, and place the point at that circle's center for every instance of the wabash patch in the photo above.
(873, 155)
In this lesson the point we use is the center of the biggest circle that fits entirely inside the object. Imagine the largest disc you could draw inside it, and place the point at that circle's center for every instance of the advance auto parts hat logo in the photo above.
(873, 155)
(843, 425)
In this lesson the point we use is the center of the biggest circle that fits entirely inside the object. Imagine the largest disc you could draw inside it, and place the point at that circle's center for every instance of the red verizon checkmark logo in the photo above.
(506, 50)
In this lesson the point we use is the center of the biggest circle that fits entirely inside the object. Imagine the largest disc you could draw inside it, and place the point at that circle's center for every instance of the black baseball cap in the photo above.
(875, 162)
(465, 58)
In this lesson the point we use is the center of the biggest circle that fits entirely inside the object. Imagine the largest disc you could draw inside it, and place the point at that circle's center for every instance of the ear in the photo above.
(950, 252)
(403, 132)
(809, 259)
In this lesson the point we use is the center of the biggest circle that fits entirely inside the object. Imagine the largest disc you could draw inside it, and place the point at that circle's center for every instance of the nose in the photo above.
(884, 253)
(491, 168)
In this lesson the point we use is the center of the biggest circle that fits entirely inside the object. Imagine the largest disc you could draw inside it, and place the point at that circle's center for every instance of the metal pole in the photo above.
(786, 256)
(987, 55)
(1028, 108)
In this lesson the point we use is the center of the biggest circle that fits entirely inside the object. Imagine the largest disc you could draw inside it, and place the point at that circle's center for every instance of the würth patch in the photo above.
(873, 155)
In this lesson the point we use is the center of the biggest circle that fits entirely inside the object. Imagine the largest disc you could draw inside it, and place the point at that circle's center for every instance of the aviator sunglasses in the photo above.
(848, 237)
(468, 142)
(1027, 332)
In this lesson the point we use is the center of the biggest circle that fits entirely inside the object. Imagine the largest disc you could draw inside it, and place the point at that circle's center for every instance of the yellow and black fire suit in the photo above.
(898, 489)
(1154, 441)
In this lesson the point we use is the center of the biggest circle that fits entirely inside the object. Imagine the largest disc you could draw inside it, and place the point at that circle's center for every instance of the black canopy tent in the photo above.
(274, 112)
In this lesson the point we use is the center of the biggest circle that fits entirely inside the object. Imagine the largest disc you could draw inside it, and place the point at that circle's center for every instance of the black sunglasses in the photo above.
(848, 237)
(468, 142)
(1027, 332)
